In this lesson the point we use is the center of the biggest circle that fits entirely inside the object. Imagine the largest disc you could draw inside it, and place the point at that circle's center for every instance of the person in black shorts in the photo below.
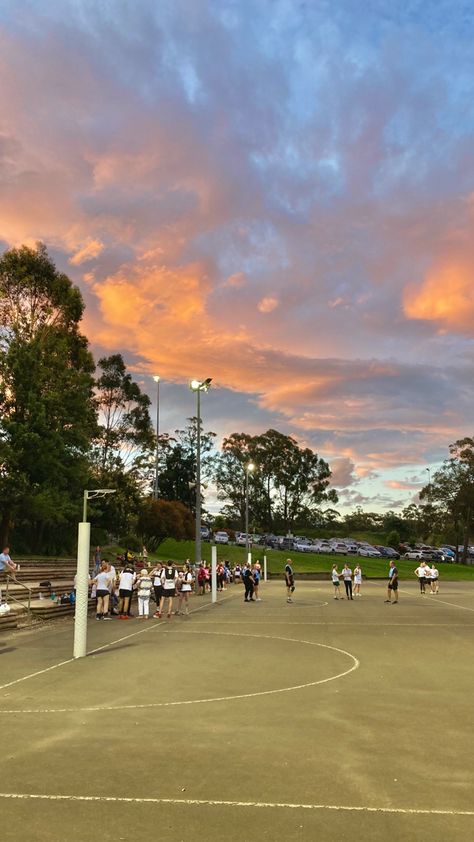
(392, 584)
(289, 579)
(249, 583)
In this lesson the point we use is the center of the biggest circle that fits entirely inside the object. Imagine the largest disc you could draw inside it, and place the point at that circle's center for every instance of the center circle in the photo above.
(224, 697)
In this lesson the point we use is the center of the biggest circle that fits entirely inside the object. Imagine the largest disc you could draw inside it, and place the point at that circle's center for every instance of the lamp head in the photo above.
(200, 385)
(156, 378)
(250, 466)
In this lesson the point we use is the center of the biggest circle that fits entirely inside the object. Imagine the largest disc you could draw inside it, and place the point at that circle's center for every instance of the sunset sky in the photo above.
(275, 194)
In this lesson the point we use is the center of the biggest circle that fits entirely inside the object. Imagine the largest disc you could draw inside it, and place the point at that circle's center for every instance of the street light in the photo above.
(82, 573)
(248, 469)
(198, 386)
(156, 378)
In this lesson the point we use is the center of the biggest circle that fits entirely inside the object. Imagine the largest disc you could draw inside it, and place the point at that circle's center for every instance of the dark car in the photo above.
(388, 552)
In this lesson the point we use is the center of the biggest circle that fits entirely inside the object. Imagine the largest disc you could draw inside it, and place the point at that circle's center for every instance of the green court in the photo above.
(264, 721)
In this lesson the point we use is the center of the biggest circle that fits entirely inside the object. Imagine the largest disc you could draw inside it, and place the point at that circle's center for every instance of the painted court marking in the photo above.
(153, 627)
(146, 705)
(428, 601)
(203, 802)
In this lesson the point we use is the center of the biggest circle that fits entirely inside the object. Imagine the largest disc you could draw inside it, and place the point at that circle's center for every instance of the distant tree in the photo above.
(393, 539)
(161, 519)
(47, 414)
(178, 458)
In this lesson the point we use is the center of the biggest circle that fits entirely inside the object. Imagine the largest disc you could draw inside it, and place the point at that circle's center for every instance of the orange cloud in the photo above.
(267, 305)
(446, 296)
(92, 248)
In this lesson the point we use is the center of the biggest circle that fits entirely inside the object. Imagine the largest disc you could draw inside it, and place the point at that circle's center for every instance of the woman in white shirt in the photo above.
(103, 582)
(336, 581)
(186, 588)
(357, 579)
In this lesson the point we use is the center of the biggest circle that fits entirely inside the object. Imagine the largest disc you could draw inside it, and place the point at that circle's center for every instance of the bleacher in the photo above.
(26, 585)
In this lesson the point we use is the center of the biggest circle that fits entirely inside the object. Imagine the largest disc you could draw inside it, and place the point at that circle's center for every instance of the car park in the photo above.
(387, 552)
(221, 538)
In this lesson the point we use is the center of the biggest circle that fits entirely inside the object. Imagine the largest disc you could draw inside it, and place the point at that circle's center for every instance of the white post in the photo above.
(264, 568)
(82, 590)
(249, 557)
(214, 574)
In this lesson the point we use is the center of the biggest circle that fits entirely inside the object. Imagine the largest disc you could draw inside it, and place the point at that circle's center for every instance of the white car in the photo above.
(303, 545)
(221, 538)
(323, 547)
(339, 548)
(369, 552)
(416, 555)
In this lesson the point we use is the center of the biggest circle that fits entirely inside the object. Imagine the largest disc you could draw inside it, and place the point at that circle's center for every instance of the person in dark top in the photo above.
(248, 583)
(392, 584)
(289, 579)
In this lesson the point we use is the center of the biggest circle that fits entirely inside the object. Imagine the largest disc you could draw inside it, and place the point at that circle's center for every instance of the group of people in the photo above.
(164, 581)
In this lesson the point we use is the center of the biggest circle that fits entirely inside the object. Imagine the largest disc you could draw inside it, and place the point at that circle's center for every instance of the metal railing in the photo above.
(10, 596)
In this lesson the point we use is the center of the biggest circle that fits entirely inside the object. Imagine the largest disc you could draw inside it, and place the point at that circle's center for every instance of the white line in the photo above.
(153, 627)
(101, 709)
(417, 595)
(205, 802)
(362, 625)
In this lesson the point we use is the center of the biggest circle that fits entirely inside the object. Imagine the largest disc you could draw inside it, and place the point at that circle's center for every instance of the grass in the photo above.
(179, 551)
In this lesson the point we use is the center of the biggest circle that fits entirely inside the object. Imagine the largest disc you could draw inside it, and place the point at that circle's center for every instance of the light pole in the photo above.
(248, 469)
(156, 378)
(82, 574)
(198, 386)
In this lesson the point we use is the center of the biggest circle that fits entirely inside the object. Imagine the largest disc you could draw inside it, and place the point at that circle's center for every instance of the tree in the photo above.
(46, 406)
(161, 519)
(289, 482)
(177, 479)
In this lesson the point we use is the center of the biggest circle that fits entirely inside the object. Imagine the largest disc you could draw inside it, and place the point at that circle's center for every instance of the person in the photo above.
(126, 582)
(237, 573)
(220, 576)
(103, 582)
(249, 583)
(357, 579)
(97, 560)
(6, 565)
(434, 579)
(187, 581)
(157, 587)
(336, 581)
(289, 579)
(422, 573)
(392, 587)
(145, 555)
(169, 576)
(113, 602)
(201, 577)
(347, 576)
(144, 588)
(256, 577)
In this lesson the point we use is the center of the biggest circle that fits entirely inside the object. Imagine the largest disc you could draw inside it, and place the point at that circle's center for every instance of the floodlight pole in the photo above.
(198, 386)
(156, 378)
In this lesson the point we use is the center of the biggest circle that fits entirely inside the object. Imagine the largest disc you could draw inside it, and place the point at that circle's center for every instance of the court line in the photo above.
(207, 802)
(428, 601)
(146, 705)
(361, 625)
(149, 628)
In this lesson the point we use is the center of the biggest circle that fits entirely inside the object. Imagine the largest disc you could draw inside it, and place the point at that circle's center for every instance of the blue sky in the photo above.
(279, 195)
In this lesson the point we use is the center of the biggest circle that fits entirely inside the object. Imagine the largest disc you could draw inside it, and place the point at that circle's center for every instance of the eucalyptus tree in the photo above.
(47, 412)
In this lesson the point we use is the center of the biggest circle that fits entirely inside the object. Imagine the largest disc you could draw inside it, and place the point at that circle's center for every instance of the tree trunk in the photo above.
(5, 526)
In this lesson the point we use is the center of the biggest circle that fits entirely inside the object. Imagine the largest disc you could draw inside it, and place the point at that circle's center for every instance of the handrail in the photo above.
(22, 585)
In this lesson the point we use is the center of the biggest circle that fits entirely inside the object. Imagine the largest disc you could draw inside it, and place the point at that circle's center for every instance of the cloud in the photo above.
(216, 163)
(91, 249)
(342, 472)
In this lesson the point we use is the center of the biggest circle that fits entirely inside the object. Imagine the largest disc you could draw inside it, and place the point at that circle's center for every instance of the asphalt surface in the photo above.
(322, 719)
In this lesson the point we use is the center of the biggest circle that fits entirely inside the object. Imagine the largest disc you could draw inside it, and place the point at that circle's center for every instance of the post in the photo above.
(155, 490)
(214, 574)
(198, 482)
(82, 589)
(246, 510)
(264, 568)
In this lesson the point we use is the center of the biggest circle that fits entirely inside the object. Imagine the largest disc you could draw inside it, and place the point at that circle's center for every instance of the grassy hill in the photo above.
(179, 551)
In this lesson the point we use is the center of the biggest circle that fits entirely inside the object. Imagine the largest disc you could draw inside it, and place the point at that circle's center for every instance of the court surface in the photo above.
(321, 720)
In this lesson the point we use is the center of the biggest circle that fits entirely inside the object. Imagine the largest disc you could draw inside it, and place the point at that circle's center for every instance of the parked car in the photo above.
(448, 553)
(323, 547)
(285, 543)
(303, 545)
(241, 539)
(221, 538)
(387, 552)
(205, 533)
(339, 548)
(368, 551)
(413, 554)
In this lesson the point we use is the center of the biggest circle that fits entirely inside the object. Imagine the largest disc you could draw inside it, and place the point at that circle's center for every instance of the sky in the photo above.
(275, 194)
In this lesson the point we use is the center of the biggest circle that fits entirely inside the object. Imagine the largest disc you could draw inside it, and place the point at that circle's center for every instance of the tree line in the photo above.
(67, 424)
